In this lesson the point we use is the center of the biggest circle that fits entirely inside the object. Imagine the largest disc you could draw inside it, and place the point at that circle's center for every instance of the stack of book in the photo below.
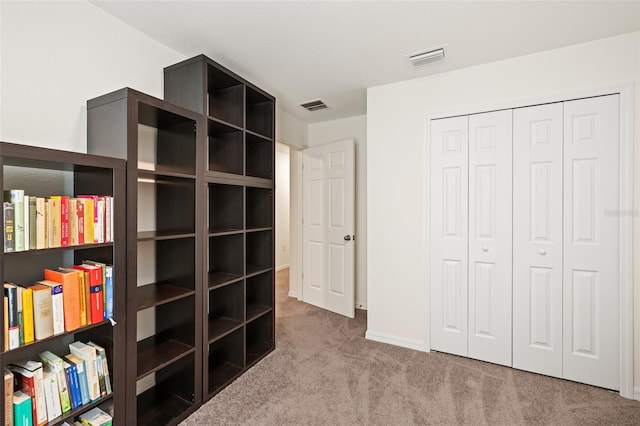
(66, 299)
(32, 223)
(41, 391)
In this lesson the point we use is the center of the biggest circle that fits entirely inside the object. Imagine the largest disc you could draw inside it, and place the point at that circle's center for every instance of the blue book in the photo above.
(82, 376)
(108, 287)
(72, 382)
(22, 415)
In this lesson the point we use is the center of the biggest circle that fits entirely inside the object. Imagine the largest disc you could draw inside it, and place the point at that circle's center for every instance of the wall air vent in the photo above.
(314, 105)
(428, 57)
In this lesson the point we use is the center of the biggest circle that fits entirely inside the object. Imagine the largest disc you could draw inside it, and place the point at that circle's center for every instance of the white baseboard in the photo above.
(396, 341)
(281, 267)
(636, 393)
(293, 293)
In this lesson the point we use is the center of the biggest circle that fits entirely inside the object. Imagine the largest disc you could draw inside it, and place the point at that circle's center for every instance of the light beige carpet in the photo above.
(323, 372)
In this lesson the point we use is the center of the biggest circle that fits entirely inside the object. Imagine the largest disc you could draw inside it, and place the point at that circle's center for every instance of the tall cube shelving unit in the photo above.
(238, 271)
(162, 145)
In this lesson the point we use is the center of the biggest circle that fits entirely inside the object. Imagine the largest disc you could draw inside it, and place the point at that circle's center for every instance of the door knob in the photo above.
(485, 248)
(347, 237)
(542, 252)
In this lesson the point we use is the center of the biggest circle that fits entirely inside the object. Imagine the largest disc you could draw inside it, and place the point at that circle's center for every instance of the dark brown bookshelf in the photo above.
(44, 172)
(163, 146)
(238, 268)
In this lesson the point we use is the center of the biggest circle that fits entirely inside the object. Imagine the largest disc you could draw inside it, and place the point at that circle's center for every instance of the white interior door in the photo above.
(537, 239)
(591, 276)
(490, 236)
(328, 227)
(449, 237)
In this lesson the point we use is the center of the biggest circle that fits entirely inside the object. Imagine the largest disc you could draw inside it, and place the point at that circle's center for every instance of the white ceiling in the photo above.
(333, 50)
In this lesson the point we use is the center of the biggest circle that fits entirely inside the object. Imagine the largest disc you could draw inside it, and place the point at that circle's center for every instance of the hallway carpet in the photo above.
(323, 372)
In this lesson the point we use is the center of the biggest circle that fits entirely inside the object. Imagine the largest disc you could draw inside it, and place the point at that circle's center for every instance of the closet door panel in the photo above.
(490, 243)
(448, 229)
(591, 227)
(537, 239)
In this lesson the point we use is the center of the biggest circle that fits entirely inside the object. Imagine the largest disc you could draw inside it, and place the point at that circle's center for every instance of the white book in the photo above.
(57, 305)
(99, 228)
(88, 355)
(108, 221)
(25, 209)
(51, 395)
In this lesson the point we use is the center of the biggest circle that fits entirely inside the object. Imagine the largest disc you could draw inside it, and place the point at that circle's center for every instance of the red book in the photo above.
(80, 214)
(64, 221)
(95, 285)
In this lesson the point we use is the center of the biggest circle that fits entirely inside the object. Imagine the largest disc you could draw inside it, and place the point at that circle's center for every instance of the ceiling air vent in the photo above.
(314, 105)
(428, 57)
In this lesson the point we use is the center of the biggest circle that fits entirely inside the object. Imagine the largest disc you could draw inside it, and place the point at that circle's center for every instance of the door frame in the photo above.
(625, 210)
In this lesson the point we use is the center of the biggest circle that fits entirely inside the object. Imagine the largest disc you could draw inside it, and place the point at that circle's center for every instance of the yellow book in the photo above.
(88, 220)
(27, 314)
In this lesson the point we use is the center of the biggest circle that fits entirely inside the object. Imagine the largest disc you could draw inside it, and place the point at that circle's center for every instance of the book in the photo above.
(28, 377)
(54, 222)
(108, 219)
(64, 221)
(13, 331)
(8, 397)
(9, 227)
(96, 417)
(20, 317)
(82, 296)
(70, 295)
(51, 396)
(42, 311)
(96, 301)
(57, 305)
(16, 197)
(27, 314)
(80, 215)
(73, 221)
(82, 376)
(41, 229)
(108, 288)
(102, 353)
(99, 228)
(88, 355)
(33, 224)
(71, 375)
(103, 276)
(54, 364)
(22, 409)
(88, 208)
(25, 224)
(100, 370)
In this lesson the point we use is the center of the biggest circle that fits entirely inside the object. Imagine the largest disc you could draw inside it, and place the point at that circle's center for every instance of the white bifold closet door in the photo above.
(490, 216)
(537, 239)
(591, 233)
(565, 259)
(449, 234)
(471, 236)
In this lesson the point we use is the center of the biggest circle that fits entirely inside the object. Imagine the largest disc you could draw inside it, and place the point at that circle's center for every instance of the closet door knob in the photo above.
(542, 252)
(485, 248)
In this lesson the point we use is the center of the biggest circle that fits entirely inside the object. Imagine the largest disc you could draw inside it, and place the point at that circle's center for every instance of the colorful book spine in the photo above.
(22, 409)
(29, 376)
(82, 376)
(54, 364)
(90, 217)
(33, 224)
(16, 197)
(100, 351)
(9, 227)
(20, 316)
(13, 330)
(27, 314)
(81, 226)
(108, 288)
(71, 375)
(88, 355)
(64, 221)
(70, 295)
(54, 220)
(41, 223)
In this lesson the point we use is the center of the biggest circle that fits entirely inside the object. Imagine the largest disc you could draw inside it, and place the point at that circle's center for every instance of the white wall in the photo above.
(290, 130)
(352, 128)
(56, 56)
(398, 305)
(282, 206)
